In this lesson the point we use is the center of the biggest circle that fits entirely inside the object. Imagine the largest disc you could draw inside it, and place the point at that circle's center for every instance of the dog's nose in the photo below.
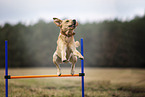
(74, 21)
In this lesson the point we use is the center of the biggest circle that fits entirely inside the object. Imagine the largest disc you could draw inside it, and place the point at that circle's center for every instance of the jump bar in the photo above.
(39, 76)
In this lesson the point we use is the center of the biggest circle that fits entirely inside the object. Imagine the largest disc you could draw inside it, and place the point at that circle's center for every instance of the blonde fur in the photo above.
(66, 45)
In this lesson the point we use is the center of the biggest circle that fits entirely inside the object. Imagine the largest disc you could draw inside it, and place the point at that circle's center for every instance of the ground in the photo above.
(99, 82)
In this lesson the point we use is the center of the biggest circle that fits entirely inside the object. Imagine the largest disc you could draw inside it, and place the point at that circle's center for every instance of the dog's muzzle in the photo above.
(74, 24)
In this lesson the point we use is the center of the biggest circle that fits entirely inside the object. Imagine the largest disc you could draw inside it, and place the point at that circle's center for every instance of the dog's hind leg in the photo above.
(73, 60)
(57, 61)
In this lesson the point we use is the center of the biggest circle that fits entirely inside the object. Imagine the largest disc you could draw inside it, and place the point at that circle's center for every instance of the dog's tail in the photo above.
(77, 43)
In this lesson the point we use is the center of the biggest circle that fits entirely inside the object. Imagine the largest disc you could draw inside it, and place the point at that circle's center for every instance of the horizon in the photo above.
(46, 21)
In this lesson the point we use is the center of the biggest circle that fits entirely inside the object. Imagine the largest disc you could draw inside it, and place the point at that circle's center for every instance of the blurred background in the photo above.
(113, 31)
(114, 47)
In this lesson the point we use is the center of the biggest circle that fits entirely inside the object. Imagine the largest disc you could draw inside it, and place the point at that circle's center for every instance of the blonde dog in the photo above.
(66, 45)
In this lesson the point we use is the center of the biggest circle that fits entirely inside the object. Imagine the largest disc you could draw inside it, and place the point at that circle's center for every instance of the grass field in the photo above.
(99, 82)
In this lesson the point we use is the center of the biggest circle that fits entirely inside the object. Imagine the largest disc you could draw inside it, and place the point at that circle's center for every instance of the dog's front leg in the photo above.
(77, 53)
(63, 53)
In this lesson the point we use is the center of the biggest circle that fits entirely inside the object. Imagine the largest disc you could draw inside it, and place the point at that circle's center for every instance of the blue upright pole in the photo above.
(82, 66)
(6, 67)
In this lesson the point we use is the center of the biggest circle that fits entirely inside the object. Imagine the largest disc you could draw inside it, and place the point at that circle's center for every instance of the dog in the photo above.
(66, 45)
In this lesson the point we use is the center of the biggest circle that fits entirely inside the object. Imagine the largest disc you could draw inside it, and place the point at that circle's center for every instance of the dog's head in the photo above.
(66, 26)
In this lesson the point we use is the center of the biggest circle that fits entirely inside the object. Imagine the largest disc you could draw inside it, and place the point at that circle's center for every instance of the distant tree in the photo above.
(110, 43)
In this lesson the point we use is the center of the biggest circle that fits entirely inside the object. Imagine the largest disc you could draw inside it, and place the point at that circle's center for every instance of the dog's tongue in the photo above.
(66, 32)
(70, 34)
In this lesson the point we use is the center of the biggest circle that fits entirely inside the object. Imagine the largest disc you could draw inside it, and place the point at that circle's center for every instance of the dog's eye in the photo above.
(67, 21)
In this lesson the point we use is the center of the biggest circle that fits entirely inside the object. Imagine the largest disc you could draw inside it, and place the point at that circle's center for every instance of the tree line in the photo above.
(110, 43)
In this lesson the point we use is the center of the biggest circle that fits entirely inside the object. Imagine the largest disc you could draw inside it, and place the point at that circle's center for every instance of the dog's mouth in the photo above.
(68, 33)
(71, 27)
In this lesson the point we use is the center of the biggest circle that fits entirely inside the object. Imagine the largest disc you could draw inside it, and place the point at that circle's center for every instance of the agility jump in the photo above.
(7, 76)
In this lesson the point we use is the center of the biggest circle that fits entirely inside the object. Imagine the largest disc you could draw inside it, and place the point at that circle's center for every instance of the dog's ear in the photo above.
(57, 21)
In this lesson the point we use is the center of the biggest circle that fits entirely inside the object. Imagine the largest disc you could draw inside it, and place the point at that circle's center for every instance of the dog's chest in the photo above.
(68, 40)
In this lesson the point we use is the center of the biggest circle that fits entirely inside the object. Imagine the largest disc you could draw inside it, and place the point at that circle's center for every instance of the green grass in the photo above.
(99, 82)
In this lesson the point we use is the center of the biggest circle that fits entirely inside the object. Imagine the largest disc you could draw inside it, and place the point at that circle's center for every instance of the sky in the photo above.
(30, 11)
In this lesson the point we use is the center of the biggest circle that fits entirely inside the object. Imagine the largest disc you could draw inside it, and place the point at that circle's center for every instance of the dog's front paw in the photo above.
(64, 61)
(82, 58)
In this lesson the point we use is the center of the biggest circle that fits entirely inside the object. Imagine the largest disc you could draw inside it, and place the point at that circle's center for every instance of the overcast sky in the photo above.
(30, 11)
